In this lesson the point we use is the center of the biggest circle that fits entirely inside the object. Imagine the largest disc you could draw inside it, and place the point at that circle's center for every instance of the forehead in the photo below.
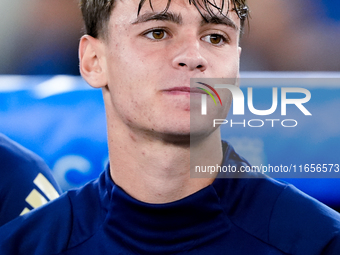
(202, 8)
(216, 5)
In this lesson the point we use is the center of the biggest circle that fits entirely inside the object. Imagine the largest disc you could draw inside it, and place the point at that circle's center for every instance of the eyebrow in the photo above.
(163, 16)
(218, 19)
(177, 19)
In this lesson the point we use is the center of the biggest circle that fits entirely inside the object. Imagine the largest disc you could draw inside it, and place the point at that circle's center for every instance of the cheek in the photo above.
(225, 65)
(233, 62)
(135, 66)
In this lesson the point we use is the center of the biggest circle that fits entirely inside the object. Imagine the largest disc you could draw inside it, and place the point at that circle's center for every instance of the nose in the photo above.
(189, 57)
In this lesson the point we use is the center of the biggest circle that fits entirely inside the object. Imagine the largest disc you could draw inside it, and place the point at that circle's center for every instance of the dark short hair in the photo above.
(96, 13)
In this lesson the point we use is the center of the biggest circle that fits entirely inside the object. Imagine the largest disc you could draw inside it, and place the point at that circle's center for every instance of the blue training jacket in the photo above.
(230, 216)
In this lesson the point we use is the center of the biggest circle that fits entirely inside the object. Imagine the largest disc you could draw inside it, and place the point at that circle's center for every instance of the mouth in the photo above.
(184, 90)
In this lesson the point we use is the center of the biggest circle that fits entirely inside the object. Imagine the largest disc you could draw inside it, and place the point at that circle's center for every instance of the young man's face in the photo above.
(150, 59)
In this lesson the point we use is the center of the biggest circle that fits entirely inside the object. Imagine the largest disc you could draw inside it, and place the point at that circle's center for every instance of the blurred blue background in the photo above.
(61, 119)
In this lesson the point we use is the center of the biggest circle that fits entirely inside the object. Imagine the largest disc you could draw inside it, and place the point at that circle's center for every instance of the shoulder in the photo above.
(57, 226)
(26, 182)
(17, 161)
(300, 224)
(281, 216)
(41, 231)
(277, 213)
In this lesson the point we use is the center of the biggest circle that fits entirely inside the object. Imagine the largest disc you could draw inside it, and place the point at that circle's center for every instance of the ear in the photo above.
(92, 63)
(239, 51)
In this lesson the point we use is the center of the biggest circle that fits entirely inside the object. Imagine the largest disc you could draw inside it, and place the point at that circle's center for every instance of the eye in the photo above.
(157, 34)
(215, 39)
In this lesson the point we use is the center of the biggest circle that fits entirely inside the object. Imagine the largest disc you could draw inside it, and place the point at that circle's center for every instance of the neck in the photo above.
(154, 170)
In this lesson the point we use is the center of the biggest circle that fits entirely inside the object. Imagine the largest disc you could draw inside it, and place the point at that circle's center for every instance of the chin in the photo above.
(186, 135)
(177, 131)
(173, 133)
